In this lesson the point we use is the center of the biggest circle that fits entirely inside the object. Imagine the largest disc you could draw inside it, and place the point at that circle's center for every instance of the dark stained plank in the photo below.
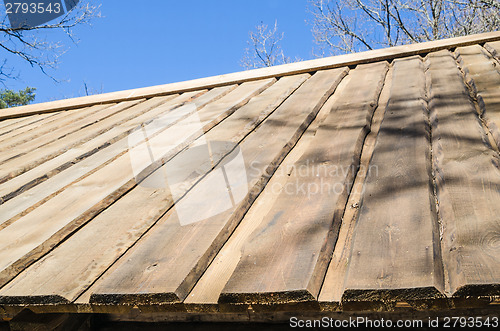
(32, 187)
(89, 252)
(484, 78)
(286, 257)
(36, 233)
(333, 286)
(166, 263)
(468, 184)
(395, 252)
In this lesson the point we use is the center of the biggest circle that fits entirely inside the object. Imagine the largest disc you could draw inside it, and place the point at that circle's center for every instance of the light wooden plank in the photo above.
(59, 121)
(25, 162)
(333, 285)
(7, 126)
(484, 79)
(395, 252)
(89, 252)
(238, 77)
(208, 288)
(54, 175)
(36, 233)
(468, 181)
(286, 257)
(166, 263)
(494, 48)
(158, 106)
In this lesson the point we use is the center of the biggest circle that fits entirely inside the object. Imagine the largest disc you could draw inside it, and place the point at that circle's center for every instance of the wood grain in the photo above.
(286, 258)
(145, 274)
(239, 77)
(468, 179)
(483, 78)
(395, 252)
(27, 191)
(39, 231)
(110, 234)
(207, 290)
(334, 283)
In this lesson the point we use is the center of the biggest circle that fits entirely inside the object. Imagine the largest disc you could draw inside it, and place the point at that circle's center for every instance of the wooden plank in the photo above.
(90, 251)
(186, 242)
(60, 121)
(286, 257)
(494, 48)
(484, 81)
(36, 233)
(115, 137)
(467, 180)
(395, 252)
(238, 77)
(18, 195)
(18, 165)
(333, 285)
(7, 126)
(208, 288)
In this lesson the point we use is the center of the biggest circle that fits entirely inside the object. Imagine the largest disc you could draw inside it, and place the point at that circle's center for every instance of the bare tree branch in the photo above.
(336, 26)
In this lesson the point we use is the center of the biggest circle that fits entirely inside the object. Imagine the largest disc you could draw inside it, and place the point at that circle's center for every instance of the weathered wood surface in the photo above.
(36, 233)
(46, 133)
(333, 284)
(47, 177)
(208, 288)
(20, 126)
(238, 77)
(96, 246)
(468, 181)
(176, 244)
(286, 257)
(395, 252)
(494, 48)
(25, 162)
(483, 77)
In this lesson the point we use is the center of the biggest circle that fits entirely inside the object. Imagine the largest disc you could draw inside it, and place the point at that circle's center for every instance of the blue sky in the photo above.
(151, 42)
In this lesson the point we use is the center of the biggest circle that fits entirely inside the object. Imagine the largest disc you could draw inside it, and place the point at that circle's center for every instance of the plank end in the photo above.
(384, 295)
(292, 296)
(477, 290)
(134, 299)
(33, 299)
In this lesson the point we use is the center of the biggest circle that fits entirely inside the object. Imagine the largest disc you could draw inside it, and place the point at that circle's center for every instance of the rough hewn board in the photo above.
(484, 79)
(276, 71)
(89, 252)
(395, 252)
(36, 233)
(494, 48)
(25, 162)
(207, 290)
(16, 124)
(26, 191)
(468, 181)
(49, 129)
(166, 263)
(286, 257)
(333, 285)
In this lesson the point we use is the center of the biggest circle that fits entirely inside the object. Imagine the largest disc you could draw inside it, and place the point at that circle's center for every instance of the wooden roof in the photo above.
(361, 182)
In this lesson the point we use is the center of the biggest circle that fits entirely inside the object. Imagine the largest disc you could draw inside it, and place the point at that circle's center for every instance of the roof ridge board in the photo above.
(242, 76)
